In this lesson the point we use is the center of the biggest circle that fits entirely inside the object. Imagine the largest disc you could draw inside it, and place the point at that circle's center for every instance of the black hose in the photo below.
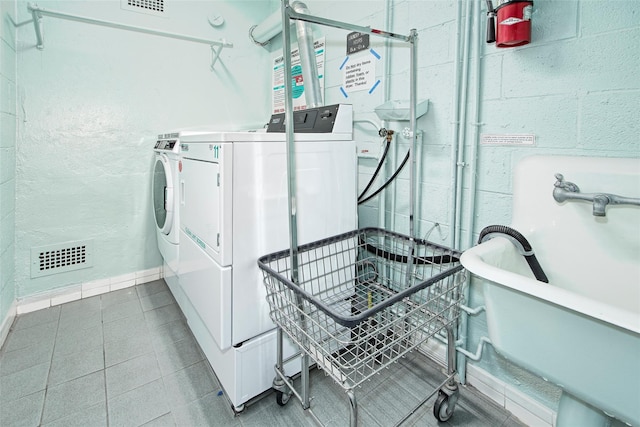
(525, 247)
(404, 161)
(375, 174)
(418, 260)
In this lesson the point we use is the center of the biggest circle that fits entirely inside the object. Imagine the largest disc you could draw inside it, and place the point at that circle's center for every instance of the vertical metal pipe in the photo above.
(451, 353)
(414, 131)
(290, 143)
(386, 75)
(312, 91)
(413, 87)
(353, 409)
(304, 377)
(279, 351)
(291, 174)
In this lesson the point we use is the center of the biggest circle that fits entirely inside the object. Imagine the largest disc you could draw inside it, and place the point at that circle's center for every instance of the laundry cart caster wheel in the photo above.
(443, 408)
(282, 398)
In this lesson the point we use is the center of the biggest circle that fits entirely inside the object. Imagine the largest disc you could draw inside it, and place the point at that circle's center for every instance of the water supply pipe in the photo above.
(472, 165)
(455, 127)
(457, 147)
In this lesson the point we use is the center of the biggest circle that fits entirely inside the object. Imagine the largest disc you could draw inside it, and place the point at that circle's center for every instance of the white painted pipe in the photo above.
(475, 140)
(462, 78)
(459, 161)
(456, 185)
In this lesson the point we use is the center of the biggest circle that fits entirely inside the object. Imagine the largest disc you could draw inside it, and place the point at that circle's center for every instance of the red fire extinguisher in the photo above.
(509, 24)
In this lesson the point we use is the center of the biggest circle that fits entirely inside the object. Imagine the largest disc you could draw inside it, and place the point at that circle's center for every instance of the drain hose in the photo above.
(523, 245)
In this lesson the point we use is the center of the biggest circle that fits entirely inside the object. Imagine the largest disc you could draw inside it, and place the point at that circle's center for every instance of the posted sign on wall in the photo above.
(359, 75)
(359, 66)
(299, 100)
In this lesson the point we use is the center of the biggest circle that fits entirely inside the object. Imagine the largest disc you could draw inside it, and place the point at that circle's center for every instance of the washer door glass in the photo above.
(162, 190)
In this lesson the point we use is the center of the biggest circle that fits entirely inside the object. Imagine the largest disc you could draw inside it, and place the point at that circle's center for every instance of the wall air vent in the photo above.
(149, 7)
(60, 258)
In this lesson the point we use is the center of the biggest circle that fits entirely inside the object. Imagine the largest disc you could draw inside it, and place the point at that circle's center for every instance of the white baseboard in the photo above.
(7, 322)
(525, 408)
(86, 290)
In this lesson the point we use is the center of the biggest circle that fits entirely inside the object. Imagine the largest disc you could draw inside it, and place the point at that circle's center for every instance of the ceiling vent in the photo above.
(149, 7)
(60, 258)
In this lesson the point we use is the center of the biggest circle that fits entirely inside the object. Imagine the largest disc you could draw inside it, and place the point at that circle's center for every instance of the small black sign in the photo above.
(356, 42)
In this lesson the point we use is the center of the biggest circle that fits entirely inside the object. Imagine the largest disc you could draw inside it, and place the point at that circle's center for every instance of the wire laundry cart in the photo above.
(363, 300)
(359, 301)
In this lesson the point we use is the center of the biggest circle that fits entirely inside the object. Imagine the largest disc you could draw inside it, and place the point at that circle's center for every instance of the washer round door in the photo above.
(162, 192)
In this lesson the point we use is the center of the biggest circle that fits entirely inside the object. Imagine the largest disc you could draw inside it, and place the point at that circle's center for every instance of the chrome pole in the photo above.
(291, 161)
(292, 182)
(413, 83)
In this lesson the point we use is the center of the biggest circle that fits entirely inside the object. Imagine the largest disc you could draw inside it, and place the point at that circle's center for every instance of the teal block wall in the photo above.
(576, 87)
(7, 155)
(90, 105)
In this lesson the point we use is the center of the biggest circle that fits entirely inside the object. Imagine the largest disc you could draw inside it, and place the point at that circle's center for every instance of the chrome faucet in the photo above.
(564, 190)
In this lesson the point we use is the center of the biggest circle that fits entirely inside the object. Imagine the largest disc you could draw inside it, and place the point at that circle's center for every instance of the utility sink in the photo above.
(581, 330)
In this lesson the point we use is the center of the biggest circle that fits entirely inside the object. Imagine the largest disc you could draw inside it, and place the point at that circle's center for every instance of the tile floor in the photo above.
(127, 358)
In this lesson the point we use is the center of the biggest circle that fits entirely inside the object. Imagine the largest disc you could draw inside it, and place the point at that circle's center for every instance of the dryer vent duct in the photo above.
(60, 258)
(272, 26)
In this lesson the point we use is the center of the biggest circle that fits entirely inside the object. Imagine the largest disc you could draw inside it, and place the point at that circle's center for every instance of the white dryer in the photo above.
(234, 209)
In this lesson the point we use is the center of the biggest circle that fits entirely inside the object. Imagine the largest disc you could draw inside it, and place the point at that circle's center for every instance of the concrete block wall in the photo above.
(7, 163)
(576, 88)
(90, 106)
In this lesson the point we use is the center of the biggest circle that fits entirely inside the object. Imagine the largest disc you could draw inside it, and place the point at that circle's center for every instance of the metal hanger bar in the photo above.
(37, 12)
(346, 26)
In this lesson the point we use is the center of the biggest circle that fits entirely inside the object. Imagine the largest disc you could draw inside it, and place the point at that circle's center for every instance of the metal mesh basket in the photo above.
(363, 299)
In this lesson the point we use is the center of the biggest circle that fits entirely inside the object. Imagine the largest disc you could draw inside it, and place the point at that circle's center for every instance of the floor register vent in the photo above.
(60, 258)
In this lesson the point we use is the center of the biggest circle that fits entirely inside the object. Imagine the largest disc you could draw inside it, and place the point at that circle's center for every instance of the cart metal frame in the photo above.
(376, 326)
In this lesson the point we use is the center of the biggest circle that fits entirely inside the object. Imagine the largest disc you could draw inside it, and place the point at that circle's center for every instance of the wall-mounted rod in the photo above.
(350, 27)
(38, 12)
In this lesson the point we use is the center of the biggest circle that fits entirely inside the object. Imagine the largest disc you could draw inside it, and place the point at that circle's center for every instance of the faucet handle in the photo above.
(566, 185)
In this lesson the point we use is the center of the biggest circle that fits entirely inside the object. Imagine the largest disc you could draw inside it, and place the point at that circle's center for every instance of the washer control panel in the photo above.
(167, 142)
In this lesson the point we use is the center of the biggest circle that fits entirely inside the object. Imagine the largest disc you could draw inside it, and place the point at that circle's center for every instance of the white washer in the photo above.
(234, 209)
(164, 193)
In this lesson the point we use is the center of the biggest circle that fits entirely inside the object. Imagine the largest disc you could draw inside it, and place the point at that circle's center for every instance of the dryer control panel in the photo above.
(336, 118)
